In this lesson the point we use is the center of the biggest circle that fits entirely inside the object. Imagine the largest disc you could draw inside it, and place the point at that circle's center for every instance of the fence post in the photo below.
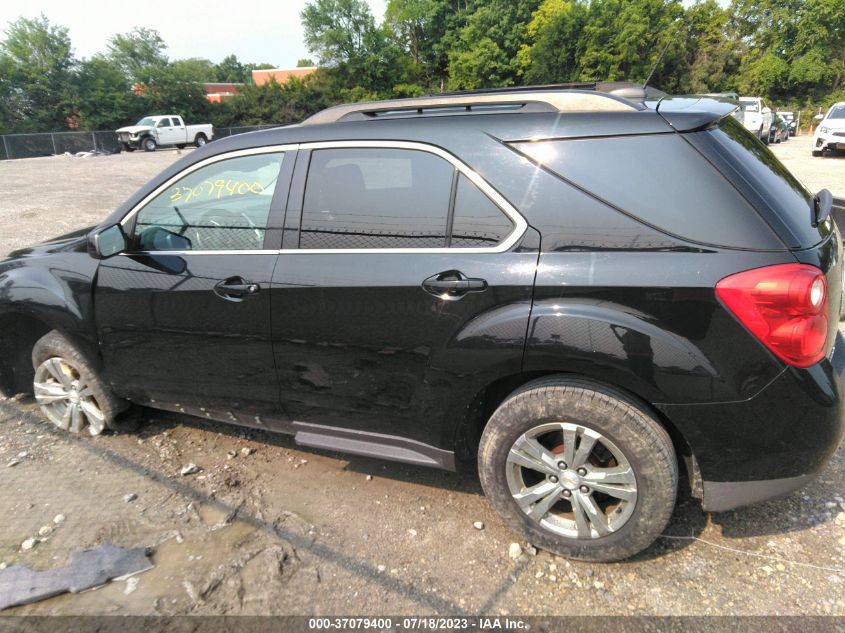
(6, 147)
(53, 139)
(94, 140)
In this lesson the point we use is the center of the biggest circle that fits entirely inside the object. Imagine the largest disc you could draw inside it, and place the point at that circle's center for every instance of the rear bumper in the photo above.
(771, 444)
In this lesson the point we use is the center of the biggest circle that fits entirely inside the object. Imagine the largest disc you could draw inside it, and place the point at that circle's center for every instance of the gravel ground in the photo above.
(267, 528)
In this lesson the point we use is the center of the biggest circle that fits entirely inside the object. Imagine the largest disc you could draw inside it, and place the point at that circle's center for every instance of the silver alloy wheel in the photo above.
(571, 480)
(200, 141)
(65, 398)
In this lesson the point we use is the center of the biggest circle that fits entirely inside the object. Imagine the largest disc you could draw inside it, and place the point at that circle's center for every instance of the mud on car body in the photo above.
(596, 296)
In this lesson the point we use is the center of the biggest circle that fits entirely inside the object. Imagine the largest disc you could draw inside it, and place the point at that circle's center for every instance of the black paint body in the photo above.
(596, 287)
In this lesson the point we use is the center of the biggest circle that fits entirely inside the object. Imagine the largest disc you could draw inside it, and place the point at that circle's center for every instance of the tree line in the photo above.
(790, 51)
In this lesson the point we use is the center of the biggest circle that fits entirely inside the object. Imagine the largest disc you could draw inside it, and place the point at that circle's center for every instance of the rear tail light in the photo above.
(785, 306)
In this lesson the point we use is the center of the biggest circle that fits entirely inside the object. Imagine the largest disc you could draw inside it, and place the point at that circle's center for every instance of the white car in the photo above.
(757, 117)
(830, 134)
(163, 129)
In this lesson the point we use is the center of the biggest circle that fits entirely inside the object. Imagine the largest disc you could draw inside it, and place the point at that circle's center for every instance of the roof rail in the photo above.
(577, 97)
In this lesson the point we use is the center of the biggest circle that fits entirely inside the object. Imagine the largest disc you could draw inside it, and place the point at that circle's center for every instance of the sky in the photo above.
(257, 31)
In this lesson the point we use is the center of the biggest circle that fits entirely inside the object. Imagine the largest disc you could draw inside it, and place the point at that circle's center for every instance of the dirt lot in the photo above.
(265, 527)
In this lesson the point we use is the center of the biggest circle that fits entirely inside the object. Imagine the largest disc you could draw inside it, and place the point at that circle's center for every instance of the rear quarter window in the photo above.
(660, 180)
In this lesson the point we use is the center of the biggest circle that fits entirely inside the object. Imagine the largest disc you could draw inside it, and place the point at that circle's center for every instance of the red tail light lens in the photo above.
(785, 306)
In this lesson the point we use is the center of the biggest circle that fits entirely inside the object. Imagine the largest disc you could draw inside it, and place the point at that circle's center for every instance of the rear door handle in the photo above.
(236, 288)
(452, 285)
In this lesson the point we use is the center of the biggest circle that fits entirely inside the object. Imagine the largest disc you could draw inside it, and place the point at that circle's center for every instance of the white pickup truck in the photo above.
(163, 129)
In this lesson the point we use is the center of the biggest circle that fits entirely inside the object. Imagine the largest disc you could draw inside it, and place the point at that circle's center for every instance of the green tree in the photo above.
(105, 99)
(305, 62)
(346, 40)
(550, 53)
(485, 51)
(426, 30)
(37, 76)
(713, 53)
(623, 40)
(139, 53)
(231, 70)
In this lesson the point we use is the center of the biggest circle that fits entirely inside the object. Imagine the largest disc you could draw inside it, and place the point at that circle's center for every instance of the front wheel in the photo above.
(817, 153)
(68, 388)
(149, 144)
(579, 469)
(200, 140)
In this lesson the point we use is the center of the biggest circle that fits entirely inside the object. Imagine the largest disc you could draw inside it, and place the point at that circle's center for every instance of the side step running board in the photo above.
(390, 447)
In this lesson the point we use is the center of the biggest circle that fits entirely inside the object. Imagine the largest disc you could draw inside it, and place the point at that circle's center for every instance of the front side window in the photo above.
(222, 206)
(164, 123)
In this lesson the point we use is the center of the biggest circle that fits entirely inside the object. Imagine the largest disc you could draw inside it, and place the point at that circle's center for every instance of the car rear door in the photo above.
(400, 291)
(184, 315)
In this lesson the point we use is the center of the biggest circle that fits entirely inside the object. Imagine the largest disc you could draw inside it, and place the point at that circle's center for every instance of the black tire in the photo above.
(200, 140)
(128, 148)
(55, 344)
(645, 443)
(817, 152)
(149, 144)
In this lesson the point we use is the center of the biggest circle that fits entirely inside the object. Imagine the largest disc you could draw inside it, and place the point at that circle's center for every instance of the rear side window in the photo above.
(478, 222)
(662, 181)
(385, 198)
(375, 198)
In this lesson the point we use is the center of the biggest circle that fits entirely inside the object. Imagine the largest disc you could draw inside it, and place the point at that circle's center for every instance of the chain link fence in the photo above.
(14, 146)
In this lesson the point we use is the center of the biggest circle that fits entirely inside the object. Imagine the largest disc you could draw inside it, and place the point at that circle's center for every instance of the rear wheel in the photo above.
(200, 140)
(68, 389)
(579, 469)
(149, 144)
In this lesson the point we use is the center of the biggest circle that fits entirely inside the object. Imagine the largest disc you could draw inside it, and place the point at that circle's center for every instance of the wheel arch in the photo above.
(18, 335)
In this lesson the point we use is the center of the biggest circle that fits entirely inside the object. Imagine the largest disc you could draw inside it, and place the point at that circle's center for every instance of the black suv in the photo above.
(589, 291)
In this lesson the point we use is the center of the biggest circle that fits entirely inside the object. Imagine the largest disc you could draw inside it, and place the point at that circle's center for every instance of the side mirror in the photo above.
(818, 117)
(107, 242)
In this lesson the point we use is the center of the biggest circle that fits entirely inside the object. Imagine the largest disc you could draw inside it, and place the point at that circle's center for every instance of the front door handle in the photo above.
(452, 285)
(236, 288)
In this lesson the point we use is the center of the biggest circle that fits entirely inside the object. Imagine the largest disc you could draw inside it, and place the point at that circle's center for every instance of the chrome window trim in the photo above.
(520, 224)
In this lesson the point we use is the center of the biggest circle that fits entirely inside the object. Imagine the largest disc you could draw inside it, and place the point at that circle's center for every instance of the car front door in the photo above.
(399, 295)
(166, 132)
(184, 315)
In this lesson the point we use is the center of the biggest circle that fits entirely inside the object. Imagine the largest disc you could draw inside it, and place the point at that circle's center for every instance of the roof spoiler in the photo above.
(692, 113)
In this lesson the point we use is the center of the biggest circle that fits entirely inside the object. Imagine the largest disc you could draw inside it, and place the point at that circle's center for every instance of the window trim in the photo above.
(519, 222)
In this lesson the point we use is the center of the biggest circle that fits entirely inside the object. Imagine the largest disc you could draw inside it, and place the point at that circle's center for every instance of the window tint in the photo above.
(478, 222)
(223, 206)
(661, 180)
(165, 122)
(375, 198)
(759, 167)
